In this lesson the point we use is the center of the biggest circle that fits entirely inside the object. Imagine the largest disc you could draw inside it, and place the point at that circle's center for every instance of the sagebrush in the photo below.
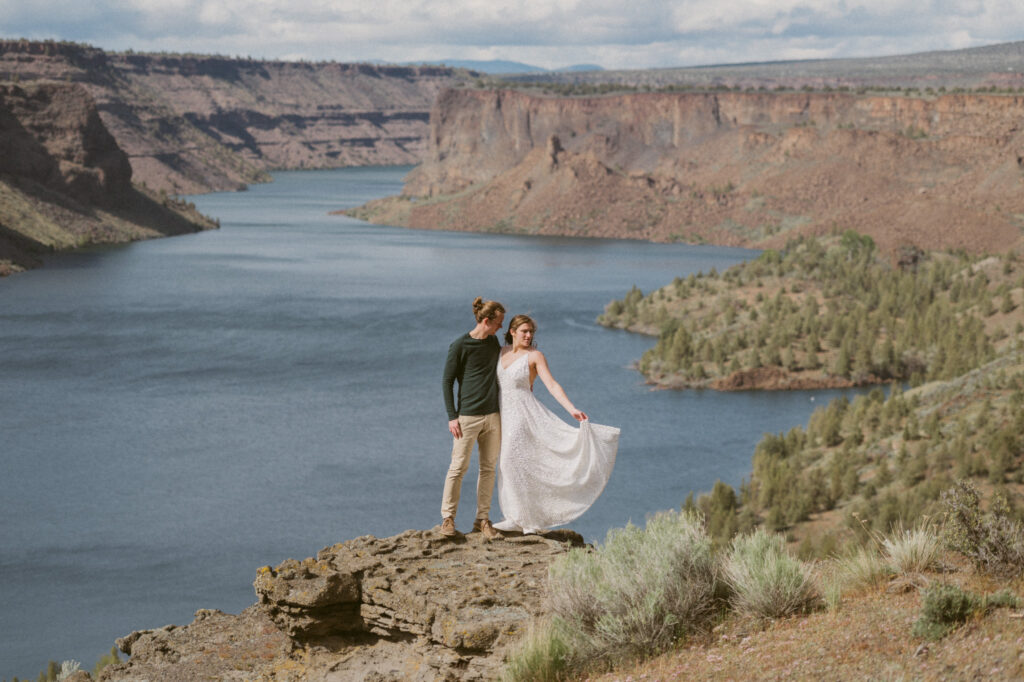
(992, 540)
(639, 591)
(765, 580)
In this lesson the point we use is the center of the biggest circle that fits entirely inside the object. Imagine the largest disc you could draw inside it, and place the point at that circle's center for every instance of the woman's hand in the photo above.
(580, 415)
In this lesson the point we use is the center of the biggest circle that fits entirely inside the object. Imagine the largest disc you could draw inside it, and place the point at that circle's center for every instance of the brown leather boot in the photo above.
(485, 527)
(448, 527)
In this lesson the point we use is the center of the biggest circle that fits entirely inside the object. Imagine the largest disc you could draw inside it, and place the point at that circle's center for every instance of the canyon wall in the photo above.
(65, 182)
(737, 168)
(192, 124)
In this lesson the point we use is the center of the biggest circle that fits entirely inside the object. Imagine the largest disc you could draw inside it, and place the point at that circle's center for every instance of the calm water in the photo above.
(176, 413)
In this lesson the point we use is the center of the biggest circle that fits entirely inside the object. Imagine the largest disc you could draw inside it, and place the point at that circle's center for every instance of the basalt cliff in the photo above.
(65, 182)
(194, 123)
(412, 607)
(732, 168)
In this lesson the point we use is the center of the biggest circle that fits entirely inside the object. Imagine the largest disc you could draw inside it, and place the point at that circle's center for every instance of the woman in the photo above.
(549, 472)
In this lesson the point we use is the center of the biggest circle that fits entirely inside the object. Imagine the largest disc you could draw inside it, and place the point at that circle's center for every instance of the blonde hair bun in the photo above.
(486, 310)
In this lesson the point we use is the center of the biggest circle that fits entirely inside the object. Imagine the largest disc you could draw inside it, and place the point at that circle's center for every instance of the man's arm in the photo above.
(451, 370)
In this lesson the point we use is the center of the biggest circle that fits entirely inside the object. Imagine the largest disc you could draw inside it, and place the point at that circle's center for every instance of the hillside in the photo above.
(65, 183)
(879, 458)
(196, 123)
(844, 484)
(731, 168)
(868, 635)
(825, 313)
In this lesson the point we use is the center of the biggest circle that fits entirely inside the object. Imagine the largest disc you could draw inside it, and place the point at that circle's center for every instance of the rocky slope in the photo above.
(736, 168)
(197, 123)
(64, 181)
(416, 606)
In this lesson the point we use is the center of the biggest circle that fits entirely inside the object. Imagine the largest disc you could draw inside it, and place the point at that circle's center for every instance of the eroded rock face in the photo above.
(415, 606)
(52, 133)
(65, 182)
(198, 123)
(729, 168)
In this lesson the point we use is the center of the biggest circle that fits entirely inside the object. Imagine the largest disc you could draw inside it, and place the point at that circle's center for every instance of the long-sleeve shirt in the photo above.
(474, 364)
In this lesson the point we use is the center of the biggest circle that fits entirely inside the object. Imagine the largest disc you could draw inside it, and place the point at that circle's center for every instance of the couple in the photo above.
(549, 472)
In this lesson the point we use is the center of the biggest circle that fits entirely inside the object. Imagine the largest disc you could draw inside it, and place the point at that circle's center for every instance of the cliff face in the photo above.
(52, 135)
(413, 607)
(64, 181)
(729, 168)
(194, 124)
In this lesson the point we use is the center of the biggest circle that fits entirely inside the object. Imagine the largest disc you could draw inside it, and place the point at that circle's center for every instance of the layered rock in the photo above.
(53, 136)
(725, 167)
(196, 123)
(65, 182)
(416, 606)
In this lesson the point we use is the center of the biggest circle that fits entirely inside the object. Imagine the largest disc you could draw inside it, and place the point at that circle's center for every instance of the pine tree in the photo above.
(842, 362)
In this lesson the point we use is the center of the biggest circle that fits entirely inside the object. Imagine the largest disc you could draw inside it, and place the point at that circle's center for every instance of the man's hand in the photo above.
(455, 428)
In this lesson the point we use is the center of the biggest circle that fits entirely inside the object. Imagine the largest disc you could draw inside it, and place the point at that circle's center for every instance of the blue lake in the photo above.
(176, 413)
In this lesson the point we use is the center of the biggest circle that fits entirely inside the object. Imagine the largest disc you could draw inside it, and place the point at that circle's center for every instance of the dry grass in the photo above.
(912, 550)
(869, 637)
(863, 568)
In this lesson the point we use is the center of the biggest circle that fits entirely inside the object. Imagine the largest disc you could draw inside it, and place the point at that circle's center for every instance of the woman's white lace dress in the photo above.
(549, 472)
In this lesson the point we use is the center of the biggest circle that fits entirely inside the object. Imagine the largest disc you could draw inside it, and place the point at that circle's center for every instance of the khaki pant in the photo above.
(483, 429)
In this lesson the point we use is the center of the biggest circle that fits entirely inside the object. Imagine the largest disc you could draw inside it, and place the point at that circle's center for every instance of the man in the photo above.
(473, 362)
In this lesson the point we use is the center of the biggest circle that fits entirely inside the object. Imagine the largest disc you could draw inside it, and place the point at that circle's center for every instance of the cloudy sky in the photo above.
(548, 33)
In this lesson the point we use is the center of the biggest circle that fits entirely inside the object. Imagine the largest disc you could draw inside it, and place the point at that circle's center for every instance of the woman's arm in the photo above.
(539, 363)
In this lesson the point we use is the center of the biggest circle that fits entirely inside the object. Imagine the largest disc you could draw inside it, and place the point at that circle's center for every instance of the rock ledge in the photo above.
(415, 606)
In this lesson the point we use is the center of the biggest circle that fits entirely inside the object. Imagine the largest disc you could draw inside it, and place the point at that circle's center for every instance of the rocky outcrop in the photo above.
(64, 181)
(197, 123)
(53, 136)
(416, 606)
(727, 167)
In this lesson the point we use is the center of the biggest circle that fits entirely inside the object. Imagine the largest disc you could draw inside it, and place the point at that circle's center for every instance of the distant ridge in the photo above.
(500, 66)
(1000, 65)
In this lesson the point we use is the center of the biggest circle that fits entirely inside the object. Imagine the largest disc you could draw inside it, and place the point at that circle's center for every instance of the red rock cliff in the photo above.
(730, 168)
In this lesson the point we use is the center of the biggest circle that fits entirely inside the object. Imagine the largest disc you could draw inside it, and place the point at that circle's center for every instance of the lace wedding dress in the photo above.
(549, 472)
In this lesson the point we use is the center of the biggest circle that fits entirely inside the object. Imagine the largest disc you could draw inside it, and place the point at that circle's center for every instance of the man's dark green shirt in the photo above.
(474, 364)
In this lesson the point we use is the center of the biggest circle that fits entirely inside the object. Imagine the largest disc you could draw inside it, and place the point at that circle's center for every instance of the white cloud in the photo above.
(636, 34)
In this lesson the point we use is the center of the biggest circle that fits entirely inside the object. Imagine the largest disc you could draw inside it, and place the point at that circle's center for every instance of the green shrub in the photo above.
(992, 540)
(639, 591)
(766, 581)
(104, 661)
(943, 608)
(1002, 599)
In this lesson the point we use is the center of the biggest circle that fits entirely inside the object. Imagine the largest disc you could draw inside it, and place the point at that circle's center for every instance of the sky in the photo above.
(616, 34)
